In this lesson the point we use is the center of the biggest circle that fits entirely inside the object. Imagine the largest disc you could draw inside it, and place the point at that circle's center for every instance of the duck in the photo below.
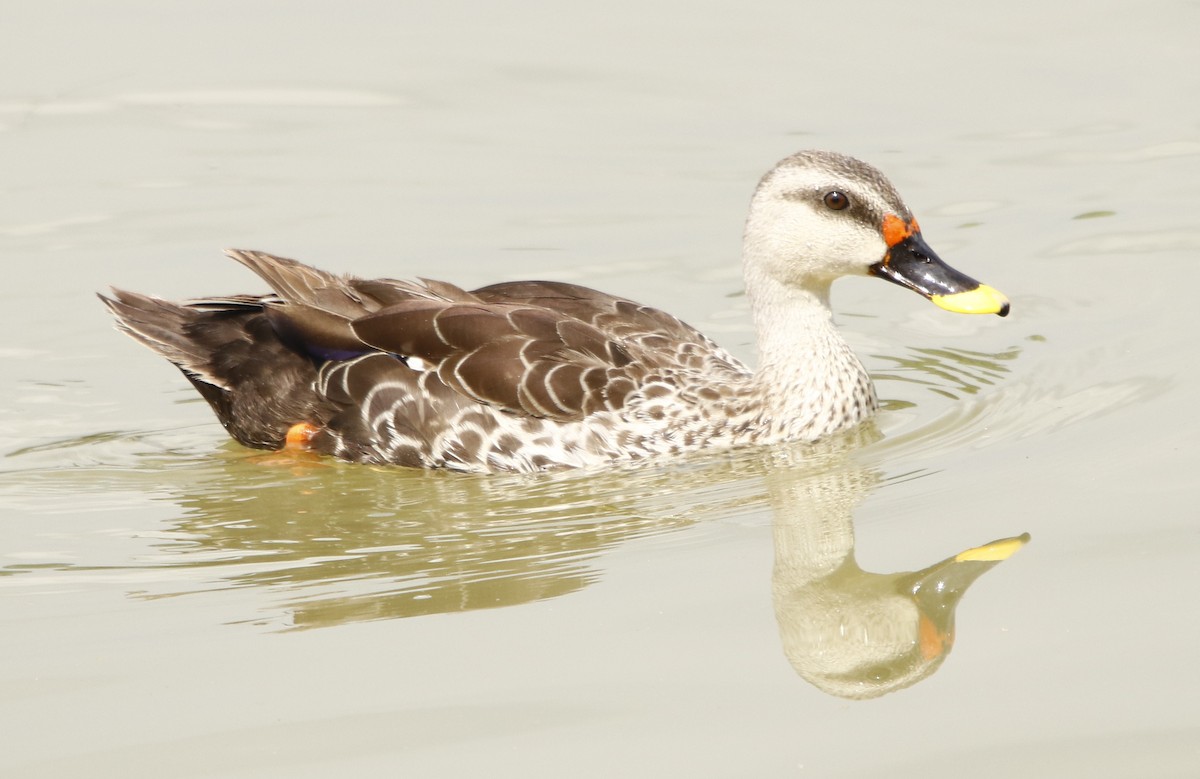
(529, 376)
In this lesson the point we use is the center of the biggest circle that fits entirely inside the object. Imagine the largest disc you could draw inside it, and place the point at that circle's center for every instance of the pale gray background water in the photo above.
(171, 606)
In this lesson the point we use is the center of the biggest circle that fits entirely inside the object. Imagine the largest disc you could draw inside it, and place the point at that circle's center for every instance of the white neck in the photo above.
(809, 381)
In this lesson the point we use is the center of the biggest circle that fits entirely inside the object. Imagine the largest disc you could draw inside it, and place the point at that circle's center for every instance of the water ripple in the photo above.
(326, 542)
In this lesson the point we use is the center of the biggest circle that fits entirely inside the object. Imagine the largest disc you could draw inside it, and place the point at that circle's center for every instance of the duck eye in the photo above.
(835, 200)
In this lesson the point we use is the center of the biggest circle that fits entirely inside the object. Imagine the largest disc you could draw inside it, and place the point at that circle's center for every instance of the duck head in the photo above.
(819, 215)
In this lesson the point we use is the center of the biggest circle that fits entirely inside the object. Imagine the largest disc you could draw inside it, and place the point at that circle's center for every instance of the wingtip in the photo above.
(245, 256)
(115, 298)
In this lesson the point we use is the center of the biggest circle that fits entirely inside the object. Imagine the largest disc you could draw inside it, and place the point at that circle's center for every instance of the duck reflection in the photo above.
(353, 543)
(849, 632)
(329, 543)
(348, 543)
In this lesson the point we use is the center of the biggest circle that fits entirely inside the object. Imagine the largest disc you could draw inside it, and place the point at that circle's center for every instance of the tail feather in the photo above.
(257, 385)
(163, 327)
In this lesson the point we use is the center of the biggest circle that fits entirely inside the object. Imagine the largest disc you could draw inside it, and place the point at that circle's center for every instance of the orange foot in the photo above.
(300, 435)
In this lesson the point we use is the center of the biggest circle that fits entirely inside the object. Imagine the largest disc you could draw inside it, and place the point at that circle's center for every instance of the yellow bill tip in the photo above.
(993, 552)
(981, 300)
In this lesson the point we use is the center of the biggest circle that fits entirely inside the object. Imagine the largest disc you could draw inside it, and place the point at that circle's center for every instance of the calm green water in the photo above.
(173, 605)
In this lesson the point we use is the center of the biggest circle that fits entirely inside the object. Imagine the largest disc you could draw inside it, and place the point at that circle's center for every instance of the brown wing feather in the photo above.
(313, 309)
(296, 282)
(642, 329)
(506, 354)
(608, 313)
(547, 349)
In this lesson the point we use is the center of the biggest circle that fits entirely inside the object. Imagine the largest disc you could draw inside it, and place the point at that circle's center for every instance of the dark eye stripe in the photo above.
(859, 209)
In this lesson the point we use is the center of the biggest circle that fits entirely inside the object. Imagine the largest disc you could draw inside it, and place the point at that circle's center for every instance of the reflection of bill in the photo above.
(848, 632)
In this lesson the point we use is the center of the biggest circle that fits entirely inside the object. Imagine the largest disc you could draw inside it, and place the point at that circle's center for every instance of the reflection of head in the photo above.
(850, 637)
(848, 632)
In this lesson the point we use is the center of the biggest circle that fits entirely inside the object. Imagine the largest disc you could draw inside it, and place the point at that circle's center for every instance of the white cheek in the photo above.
(793, 241)
(835, 246)
(859, 250)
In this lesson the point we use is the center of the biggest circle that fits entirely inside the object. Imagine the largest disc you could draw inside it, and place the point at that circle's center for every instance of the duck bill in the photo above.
(941, 585)
(938, 589)
(910, 263)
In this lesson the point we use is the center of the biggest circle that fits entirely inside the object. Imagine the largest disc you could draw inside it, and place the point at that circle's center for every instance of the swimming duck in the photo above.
(534, 375)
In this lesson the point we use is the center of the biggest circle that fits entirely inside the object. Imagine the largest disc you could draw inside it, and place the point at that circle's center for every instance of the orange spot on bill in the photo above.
(300, 435)
(896, 229)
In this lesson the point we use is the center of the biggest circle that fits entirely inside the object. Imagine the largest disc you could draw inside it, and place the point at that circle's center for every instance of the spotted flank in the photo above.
(535, 375)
